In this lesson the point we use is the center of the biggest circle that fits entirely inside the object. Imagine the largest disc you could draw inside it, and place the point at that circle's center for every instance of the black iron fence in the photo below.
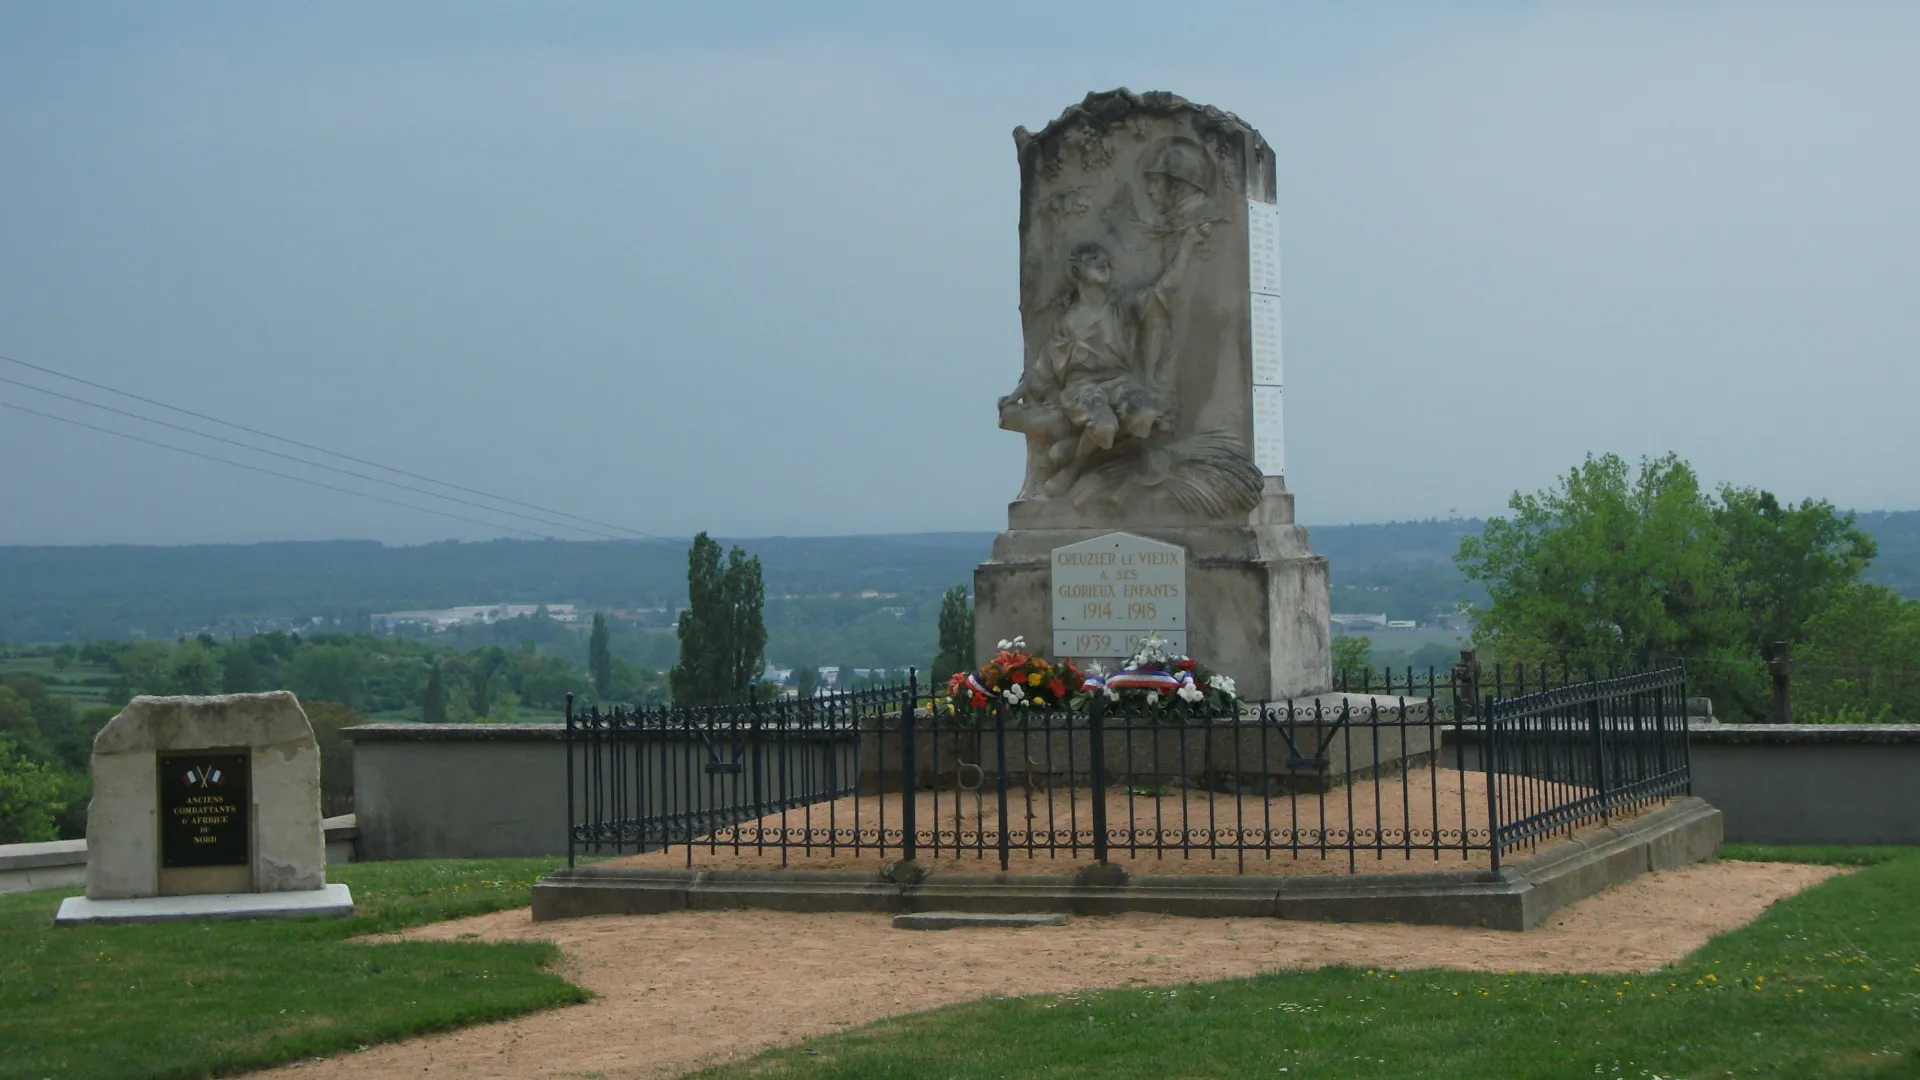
(1567, 757)
(1360, 777)
(1458, 690)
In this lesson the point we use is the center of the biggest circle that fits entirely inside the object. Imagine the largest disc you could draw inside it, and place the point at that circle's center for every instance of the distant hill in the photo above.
(73, 593)
(1898, 533)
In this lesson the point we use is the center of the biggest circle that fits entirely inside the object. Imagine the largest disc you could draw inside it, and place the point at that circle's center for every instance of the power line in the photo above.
(320, 450)
(270, 472)
(621, 529)
(312, 464)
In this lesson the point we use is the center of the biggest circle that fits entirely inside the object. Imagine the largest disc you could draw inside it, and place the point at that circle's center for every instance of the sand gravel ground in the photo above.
(676, 992)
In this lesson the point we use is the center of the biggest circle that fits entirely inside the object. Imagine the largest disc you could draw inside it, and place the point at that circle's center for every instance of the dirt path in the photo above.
(680, 991)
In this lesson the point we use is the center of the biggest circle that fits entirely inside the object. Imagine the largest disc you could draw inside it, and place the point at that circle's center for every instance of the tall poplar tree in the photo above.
(433, 706)
(723, 634)
(600, 659)
(956, 636)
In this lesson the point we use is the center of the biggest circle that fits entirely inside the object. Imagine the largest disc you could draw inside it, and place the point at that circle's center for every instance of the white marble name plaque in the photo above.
(1263, 247)
(1269, 449)
(1113, 592)
(1266, 340)
(1263, 276)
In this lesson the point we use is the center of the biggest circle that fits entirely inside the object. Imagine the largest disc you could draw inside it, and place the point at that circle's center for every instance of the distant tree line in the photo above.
(54, 699)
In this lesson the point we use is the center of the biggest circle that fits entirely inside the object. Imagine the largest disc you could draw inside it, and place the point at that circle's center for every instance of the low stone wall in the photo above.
(1811, 783)
(1797, 783)
(57, 864)
(459, 791)
(469, 791)
(62, 864)
(473, 790)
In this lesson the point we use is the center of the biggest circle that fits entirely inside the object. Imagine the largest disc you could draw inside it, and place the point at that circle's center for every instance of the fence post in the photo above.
(1097, 749)
(758, 734)
(1686, 729)
(908, 826)
(570, 809)
(1000, 769)
(1489, 764)
(1780, 666)
(1599, 756)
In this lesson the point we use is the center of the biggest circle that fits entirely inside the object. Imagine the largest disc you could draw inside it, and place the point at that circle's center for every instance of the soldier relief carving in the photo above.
(1132, 298)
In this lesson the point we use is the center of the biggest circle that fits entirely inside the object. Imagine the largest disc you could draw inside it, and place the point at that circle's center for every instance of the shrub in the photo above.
(30, 797)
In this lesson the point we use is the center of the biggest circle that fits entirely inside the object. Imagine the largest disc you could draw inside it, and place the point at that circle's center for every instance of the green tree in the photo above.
(146, 665)
(484, 679)
(600, 659)
(1608, 569)
(806, 682)
(723, 634)
(1789, 562)
(1352, 653)
(433, 703)
(239, 674)
(73, 749)
(30, 798)
(336, 753)
(636, 684)
(194, 670)
(1859, 660)
(956, 637)
(747, 637)
(16, 714)
(327, 673)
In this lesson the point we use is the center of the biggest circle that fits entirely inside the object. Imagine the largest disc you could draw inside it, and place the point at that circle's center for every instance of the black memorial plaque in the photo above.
(203, 810)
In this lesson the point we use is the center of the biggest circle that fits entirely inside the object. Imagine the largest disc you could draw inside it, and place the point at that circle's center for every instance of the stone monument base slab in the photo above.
(1257, 600)
(328, 902)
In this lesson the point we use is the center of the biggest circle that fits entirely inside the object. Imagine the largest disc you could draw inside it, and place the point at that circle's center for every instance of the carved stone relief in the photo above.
(1134, 395)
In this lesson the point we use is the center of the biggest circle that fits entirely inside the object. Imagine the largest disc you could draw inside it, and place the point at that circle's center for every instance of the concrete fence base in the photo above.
(1516, 897)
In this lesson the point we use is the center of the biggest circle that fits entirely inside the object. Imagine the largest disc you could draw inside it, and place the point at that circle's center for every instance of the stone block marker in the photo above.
(211, 801)
(962, 920)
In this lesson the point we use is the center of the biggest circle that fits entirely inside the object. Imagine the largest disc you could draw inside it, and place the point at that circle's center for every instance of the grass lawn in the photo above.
(194, 999)
(1826, 984)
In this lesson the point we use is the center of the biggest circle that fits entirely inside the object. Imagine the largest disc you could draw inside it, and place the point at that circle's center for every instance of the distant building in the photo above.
(441, 619)
(1362, 622)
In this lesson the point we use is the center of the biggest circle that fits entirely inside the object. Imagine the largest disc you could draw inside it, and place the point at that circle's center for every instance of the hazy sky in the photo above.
(751, 267)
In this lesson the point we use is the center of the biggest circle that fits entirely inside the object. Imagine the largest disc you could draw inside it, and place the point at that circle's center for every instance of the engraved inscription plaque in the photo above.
(203, 810)
(1113, 592)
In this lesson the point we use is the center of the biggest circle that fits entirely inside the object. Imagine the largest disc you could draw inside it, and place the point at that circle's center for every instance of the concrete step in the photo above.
(959, 920)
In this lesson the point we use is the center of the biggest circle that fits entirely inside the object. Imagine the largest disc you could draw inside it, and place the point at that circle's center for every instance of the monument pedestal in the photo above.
(1256, 594)
(333, 901)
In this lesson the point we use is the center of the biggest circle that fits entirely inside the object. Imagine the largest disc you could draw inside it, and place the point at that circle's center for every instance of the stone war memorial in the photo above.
(1151, 723)
(1150, 398)
(206, 808)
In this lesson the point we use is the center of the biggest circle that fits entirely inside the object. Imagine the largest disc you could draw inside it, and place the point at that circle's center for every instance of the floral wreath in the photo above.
(1016, 676)
(1154, 681)
(1157, 680)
